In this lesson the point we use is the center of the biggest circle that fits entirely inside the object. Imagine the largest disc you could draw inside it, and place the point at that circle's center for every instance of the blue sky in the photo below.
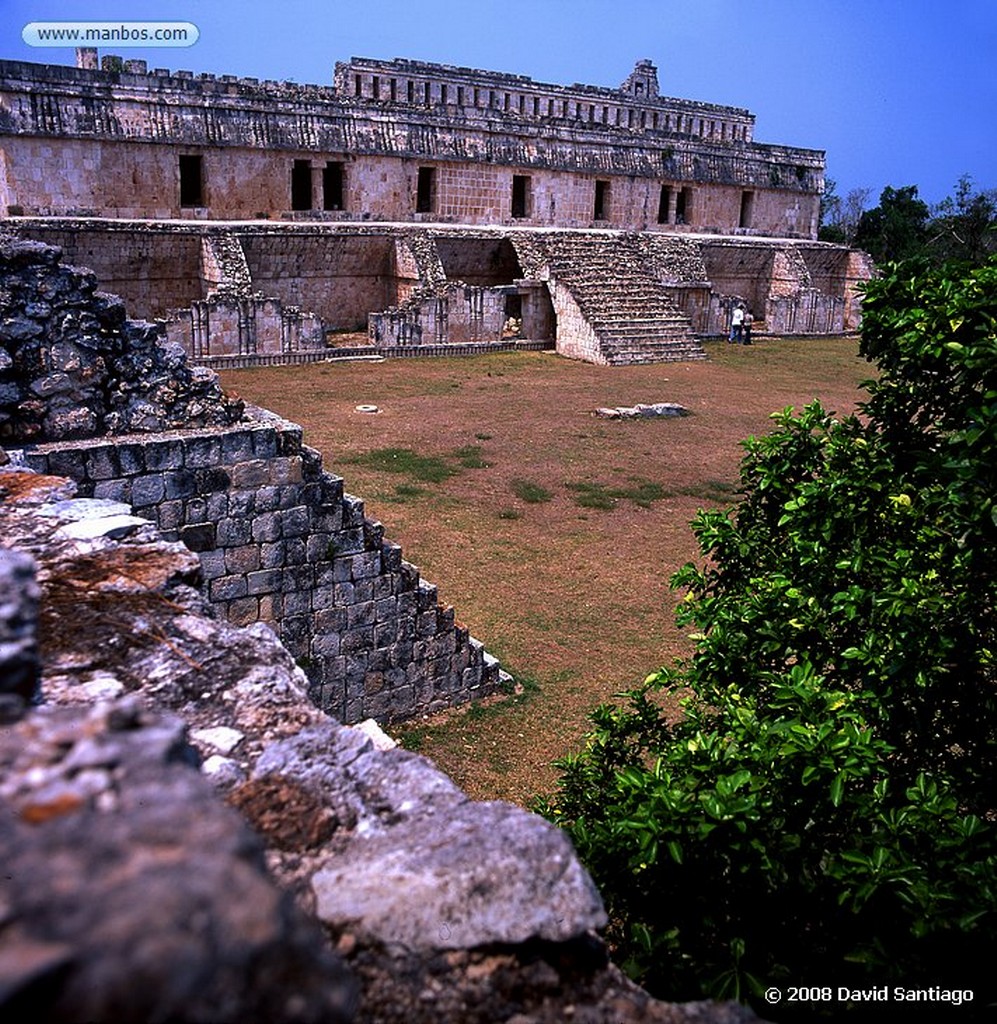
(898, 92)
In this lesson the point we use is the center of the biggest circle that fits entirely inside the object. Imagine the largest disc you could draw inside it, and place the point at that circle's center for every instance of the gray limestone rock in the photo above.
(130, 893)
(424, 867)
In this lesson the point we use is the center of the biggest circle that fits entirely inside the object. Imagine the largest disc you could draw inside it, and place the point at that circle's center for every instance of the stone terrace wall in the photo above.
(280, 542)
(103, 400)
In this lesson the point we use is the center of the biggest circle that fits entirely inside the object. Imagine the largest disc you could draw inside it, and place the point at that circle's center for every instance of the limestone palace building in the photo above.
(418, 208)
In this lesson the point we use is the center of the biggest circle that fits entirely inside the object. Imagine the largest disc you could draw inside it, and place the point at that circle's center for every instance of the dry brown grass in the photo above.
(575, 600)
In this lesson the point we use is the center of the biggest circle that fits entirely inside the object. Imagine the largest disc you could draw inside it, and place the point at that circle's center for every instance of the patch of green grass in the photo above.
(596, 495)
(403, 493)
(470, 457)
(483, 437)
(414, 739)
(427, 468)
(592, 496)
(509, 513)
(528, 491)
(712, 491)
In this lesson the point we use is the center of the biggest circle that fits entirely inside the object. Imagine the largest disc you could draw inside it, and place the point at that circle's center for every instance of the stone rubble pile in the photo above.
(73, 366)
(639, 411)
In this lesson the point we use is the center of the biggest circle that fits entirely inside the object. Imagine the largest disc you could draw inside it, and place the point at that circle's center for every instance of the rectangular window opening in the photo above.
(601, 210)
(332, 186)
(520, 195)
(425, 193)
(747, 205)
(664, 201)
(301, 185)
(683, 206)
(191, 181)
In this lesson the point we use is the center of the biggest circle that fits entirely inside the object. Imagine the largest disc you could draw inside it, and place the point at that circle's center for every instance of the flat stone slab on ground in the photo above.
(628, 412)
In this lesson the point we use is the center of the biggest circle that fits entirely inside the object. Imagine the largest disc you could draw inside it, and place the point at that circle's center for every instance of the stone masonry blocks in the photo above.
(280, 541)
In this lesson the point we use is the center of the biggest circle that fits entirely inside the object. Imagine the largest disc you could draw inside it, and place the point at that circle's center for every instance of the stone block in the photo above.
(147, 490)
(297, 602)
(233, 532)
(264, 581)
(114, 490)
(203, 452)
(295, 522)
(250, 475)
(102, 463)
(266, 528)
(228, 588)
(245, 559)
(243, 611)
(272, 555)
(358, 615)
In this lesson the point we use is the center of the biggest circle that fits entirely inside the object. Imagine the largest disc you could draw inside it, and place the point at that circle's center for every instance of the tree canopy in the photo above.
(963, 226)
(823, 813)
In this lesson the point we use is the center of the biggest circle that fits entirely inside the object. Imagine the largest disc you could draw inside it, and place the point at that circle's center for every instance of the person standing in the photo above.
(736, 325)
(746, 327)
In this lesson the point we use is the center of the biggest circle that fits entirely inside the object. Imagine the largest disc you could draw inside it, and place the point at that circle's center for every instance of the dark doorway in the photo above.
(520, 195)
(332, 187)
(747, 206)
(683, 206)
(191, 181)
(425, 193)
(601, 211)
(664, 201)
(301, 185)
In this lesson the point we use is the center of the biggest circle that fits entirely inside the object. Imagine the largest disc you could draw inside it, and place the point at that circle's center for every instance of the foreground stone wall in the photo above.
(281, 542)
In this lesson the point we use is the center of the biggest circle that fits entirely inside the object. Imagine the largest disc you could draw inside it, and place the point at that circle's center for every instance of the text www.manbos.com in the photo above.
(121, 33)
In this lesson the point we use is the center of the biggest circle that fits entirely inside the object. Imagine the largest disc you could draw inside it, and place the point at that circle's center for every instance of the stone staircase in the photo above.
(623, 302)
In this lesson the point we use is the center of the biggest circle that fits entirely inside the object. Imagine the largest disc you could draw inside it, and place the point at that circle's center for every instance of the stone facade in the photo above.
(239, 294)
(615, 225)
(397, 141)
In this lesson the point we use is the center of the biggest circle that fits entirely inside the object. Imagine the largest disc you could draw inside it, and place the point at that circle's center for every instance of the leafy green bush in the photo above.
(824, 811)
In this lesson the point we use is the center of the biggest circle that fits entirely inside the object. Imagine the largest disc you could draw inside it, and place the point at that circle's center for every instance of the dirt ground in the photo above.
(520, 529)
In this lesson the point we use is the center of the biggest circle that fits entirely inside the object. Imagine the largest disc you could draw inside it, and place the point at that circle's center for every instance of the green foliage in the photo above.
(823, 813)
(965, 225)
(897, 229)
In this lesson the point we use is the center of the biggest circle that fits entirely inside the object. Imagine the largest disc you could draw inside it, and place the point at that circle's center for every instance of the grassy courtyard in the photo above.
(551, 531)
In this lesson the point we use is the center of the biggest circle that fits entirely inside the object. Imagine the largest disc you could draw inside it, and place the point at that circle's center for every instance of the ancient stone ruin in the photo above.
(193, 610)
(414, 208)
(88, 394)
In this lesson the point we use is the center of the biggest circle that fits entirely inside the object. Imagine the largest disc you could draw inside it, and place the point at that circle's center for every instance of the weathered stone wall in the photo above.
(152, 268)
(82, 141)
(229, 325)
(278, 539)
(455, 315)
(280, 542)
(339, 277)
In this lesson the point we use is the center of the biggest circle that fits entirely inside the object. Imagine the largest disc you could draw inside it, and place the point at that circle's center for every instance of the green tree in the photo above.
(897, 229)
(964, 226)
(823, 812)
